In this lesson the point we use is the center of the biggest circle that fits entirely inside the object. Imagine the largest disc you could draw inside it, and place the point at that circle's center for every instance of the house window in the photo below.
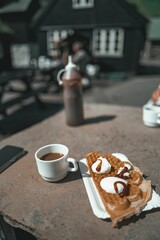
(108, 42)
(54, 37)
(20, 55)
(82, 3)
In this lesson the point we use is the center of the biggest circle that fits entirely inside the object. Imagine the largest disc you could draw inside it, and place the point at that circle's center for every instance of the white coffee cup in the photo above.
(57, 169)
(151, 116)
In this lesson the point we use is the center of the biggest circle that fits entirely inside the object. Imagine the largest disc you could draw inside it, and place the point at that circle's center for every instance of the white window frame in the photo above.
(53, 37)
(108, 42)
(76, 4)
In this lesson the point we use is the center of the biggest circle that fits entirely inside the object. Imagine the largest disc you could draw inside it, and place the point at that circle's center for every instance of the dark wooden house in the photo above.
(113, 29)
(18, 15)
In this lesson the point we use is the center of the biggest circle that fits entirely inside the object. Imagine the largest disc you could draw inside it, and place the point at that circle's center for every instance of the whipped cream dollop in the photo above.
(128, 166)
(101, 165)
(108, 184)
(124, 171)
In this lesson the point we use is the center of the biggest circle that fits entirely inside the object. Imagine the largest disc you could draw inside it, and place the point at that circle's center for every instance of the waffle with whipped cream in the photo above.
(120, 184)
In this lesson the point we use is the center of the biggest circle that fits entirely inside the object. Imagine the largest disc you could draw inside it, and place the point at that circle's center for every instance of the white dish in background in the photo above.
(94, 197)
(151, 114)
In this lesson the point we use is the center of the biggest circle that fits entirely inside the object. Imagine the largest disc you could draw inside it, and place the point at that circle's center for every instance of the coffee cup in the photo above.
(53, 162)
(151, 116)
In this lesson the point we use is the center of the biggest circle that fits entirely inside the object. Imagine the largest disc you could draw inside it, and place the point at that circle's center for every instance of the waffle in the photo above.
(139, 189)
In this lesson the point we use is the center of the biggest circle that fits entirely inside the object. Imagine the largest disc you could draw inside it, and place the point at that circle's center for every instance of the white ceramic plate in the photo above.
(95, 200)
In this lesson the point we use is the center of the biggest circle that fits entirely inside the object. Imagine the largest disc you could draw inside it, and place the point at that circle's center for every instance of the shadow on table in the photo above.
(72, 176)
(99, 119)
(23, 235)
(27, 116)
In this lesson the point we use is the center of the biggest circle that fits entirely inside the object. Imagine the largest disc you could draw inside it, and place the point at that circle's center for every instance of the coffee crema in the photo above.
(51, 156)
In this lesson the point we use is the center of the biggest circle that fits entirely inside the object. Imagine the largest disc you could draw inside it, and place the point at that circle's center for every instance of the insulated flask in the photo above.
(71, 80)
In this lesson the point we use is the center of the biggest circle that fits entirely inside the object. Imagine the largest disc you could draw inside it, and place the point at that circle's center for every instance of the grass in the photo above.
(148, 8)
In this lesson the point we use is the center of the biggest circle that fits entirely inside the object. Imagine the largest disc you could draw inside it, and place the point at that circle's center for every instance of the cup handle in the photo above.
(59, 76)
(158, 119)
(74, 162)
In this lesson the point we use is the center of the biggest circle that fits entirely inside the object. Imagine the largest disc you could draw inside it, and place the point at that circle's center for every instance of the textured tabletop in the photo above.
(62, 210)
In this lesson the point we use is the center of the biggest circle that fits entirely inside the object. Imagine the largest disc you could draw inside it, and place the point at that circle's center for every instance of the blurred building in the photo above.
(113, 30)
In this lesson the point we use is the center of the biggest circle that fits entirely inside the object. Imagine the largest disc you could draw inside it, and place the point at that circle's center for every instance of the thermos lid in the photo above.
(70, 64)
(70, 72)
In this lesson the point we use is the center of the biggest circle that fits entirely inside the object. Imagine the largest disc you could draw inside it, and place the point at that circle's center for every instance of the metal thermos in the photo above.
(71, 80)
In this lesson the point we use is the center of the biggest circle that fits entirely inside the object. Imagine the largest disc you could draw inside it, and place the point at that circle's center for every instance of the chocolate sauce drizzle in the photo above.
(98, 168)
(121, 174)
(125, 191)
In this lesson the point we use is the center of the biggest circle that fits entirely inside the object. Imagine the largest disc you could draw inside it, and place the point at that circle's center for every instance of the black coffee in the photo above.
(52, 156)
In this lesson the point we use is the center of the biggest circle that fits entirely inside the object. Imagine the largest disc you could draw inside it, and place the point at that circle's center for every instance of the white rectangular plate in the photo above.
(94, 197)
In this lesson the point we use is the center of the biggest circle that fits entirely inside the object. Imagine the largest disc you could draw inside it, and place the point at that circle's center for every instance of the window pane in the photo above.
(82, 3)
(53, 37)
(108, 42)
(20, 55)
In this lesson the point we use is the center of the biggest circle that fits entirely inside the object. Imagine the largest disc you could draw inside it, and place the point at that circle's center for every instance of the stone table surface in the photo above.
(62, 210)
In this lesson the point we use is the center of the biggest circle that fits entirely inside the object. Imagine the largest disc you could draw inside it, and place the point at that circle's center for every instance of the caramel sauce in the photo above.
(125, 191)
